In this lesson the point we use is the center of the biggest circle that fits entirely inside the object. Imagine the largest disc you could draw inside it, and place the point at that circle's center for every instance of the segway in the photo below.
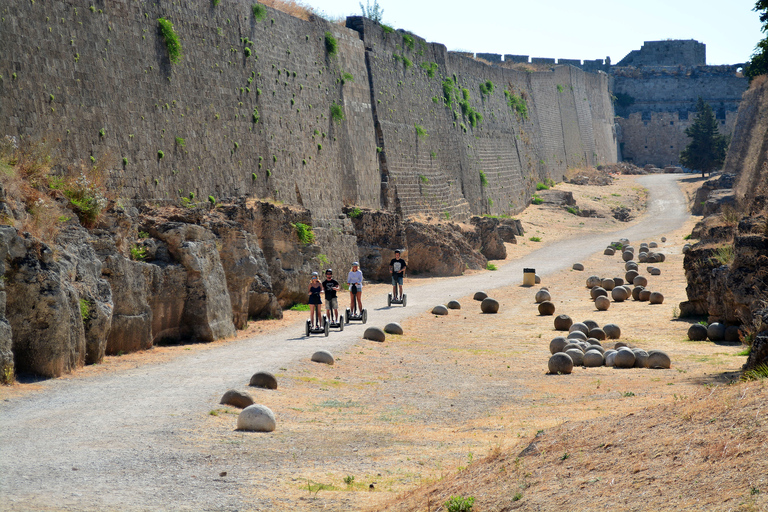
(396, 300)
(324, 329)
(337, 325)
(355, 315)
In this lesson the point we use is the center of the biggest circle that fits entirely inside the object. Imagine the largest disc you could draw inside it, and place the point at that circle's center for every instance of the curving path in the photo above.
(117, 441)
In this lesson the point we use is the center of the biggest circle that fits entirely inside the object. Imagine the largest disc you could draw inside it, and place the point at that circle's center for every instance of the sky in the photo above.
(589, 29)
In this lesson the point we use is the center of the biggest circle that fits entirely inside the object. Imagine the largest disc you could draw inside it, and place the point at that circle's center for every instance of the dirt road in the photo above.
(118, 441)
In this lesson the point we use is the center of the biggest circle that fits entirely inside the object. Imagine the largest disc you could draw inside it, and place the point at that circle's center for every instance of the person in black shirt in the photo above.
(397, 269)
(331, 286)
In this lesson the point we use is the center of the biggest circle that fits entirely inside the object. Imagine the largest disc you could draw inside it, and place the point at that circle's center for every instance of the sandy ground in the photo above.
(422, 408)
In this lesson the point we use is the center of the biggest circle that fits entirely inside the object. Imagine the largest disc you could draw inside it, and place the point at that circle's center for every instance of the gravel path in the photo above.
(117, 441)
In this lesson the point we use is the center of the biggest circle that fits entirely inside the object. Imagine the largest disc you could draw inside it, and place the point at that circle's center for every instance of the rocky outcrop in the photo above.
(491, 242)
(379, 233)
(714, 194)
(440, 249)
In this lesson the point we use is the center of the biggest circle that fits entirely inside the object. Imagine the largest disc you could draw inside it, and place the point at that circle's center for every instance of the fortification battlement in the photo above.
(686, 52)
(497, 58)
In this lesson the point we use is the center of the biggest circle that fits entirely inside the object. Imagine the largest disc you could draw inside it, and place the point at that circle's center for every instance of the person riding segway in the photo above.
(331, 286)
(355, 282)
(397, 268)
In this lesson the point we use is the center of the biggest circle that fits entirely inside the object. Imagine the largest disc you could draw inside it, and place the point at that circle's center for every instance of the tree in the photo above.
(375, 12)
(706, 152)
(758, 64)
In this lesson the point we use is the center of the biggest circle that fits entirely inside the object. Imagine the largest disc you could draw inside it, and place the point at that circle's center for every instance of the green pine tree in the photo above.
(706, 151)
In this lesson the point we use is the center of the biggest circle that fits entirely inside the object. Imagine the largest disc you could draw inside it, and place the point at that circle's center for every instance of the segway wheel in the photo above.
(341, 324)
(365, 316)
(404, 298)
(308, 325)
(327, 328)
(389, 299)
(348, 314)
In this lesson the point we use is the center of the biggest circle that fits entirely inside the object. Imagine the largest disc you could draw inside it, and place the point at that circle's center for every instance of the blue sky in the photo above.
(589, 29)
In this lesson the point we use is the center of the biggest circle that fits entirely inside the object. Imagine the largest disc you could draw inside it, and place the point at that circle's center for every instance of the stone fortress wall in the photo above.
(95, 76)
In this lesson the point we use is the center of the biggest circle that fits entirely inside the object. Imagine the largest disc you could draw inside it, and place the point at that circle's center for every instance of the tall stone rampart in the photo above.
(247, 110)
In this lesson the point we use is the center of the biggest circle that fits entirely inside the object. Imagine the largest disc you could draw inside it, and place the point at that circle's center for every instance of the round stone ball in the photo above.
(641, 358)
(576, 355)
(653, 245)
(563, 322)
(546, 308)
(560, 363)
(489, 305)
(393, 328)
(374, 334)
(263, 380)
(732, 333)
(609, 251)
(618, 281)
(716, 331)
(608, 284)
(480, 295)
(625, 358)
(537, 279)
(686, 248)
(323, 356)
(663, 239)
(697, 332)
(629, 248)
(239, 399)
(630, 265)
(591, 324)
(598, 291)
(579, 326)
(599, 348)
(542, 295)
(627, 255)
(597, 333)
(636, 292)
(630, 276)
(602, 303)
(656, 298)
(592, 359)
(557, 344)
(619, 344)
(640, 281)
(642, 257)
(256, 418)
(658, 359)
(576, 335)
(578, 266)
(593, 281)
(619, 294)
(644, 295)
(660, 257)
(439, 310)
(609, 357)
(453, 304)
(572, 344)
(612, 331)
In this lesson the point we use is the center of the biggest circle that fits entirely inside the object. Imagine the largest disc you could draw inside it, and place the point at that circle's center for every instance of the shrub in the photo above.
(247, 52)
(337, 112)
(408, 41)
(181, 142)
(420, 131)
(536, 199)
(355, 213)
(572, 210)
(483, 179)
(172, 42)
(535, 239)
(407, 62)
(541, 186)
(304, 232)
(387, 29)
(255, 117)
(486, 88)
(491, 266)
(259, 12)
(423, 179)
(138, 253)
(125, 161)
(300, 307)
(160, 153)
(346, 77)
(102, 133)
(459, 503)
(517, 104)
(331, 45)
(431, 69)
(212, 200)
(85, 309)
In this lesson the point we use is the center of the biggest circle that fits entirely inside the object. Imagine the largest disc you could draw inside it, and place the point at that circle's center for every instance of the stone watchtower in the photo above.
(656, 89)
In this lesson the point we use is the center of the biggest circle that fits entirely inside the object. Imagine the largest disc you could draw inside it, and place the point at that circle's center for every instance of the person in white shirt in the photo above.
(355, 282)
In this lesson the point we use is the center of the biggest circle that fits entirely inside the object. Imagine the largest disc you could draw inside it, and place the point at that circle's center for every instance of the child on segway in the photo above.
(331, 286)
(397, 268)
(355, 282)
(315, 302)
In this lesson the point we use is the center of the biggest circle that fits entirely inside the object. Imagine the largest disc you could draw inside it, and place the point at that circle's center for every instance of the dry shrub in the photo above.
(291, 7)
(589, 172)
(758, 81)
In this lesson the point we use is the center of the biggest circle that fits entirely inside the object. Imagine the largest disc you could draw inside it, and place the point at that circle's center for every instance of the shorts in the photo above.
(397, 279)
(332, 303)
(356, 288)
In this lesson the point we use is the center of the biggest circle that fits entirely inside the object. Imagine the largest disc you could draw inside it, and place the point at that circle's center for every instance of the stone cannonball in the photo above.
(546, 308)
(663, 239)
(627, 255)
(374, 334)
(593, 281)
(653, 245)
(619, 344)
(263, 380)
(609, 357)
(630, 276)
(563, 322)
(658, 359)
(453, 304)
(697, 332)
(602, 303)
(609, 251)
(256, 418)
(619, 294)
(629, 248)
(716, 331)
(625, 358)
(579, 326)
(630, 265)
(640, 281)
(732, 333)
(592, 359)
(393, 328)
(642, 257)
(572, 344)
(641, 358)
(612, 331)
(636, 292)
(597, 333)
(618, 281)
(576, 335)
(656, 298)
(598, 291)
(599, 348)
(439, 310)
(591, 324)
(480, 295)
(660, 257)
(557, 344)
(542, 295)
(489, 305)
(576, 355)
(644, 295)
(578, 266)
(608, 284)
(560, 363)
(323, 356)
(686, 248)
(239, 399)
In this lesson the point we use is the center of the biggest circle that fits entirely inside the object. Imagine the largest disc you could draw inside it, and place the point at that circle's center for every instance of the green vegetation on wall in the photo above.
(172, 42)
